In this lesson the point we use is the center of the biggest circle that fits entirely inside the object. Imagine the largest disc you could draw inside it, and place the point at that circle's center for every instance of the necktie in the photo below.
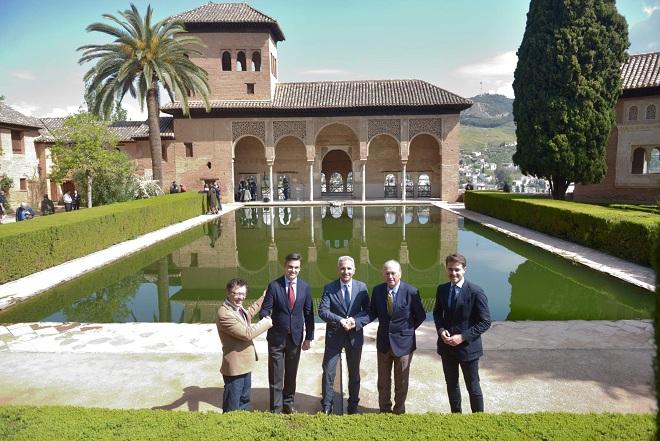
(347, 297)
(292, 295)
(390, 302)
(453, 295)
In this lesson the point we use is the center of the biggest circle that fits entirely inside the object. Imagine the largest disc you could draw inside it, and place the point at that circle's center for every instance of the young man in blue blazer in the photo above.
(288, 302)
(399, 311)
(461, 315)
(345, 308)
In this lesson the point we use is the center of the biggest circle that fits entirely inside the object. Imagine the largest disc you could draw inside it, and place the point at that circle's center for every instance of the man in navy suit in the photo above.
(288, 302)
(399, 311)
(461, 315)
(345, 308)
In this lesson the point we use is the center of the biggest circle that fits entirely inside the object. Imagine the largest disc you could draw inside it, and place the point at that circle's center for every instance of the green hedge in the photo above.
(30, 246)
(624, 233)
(75, 423)
(656, 265)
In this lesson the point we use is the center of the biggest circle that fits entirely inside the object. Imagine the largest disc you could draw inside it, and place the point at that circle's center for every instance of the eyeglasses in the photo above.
(390, 273)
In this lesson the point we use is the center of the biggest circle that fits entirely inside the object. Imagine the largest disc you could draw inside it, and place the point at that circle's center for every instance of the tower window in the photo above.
(240, 62)
(226, 61)
(250, 88)
(632, 113)
(650, 112)
(256, 61)
(189, 149)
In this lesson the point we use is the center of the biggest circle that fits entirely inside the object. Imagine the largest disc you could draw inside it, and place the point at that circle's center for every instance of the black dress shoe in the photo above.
(352, 410)
(327, 410)
(288, 410)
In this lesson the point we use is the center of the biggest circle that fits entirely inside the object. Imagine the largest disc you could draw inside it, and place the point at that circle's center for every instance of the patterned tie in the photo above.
(390, 302)
(347, 297)
(292, 296)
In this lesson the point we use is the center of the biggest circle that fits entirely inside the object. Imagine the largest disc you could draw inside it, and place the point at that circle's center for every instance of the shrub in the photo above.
(31, 246)
(624, 233)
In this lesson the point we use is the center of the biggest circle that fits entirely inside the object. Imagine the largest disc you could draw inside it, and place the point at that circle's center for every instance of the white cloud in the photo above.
(501, 65)
(62, 112)
(325, 72)
(506, 90)
(23, 107)
(649, 10)
(23, 74)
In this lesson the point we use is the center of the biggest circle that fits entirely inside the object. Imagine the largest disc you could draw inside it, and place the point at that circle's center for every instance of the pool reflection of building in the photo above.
(252, 244)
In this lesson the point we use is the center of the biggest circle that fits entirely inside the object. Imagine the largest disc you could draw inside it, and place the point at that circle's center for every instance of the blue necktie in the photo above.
(347, 297)
(453, 296)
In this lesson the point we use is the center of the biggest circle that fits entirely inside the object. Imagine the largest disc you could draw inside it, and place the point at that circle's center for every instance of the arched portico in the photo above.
(383, 167)
(290, 169)
(336, 150)
(250, 165)
(424, 167)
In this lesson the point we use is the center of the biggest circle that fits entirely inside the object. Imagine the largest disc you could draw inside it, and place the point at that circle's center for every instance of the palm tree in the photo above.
(140, 59)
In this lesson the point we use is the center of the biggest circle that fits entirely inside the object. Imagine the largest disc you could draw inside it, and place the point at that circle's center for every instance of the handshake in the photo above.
(348, 323)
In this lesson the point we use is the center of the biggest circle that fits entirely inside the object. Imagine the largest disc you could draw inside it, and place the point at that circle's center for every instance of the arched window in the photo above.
(226, 61)
(349, 182)
(632, 113)
(336, 212)
(390, 215)
(639, 162)
(323, 185)
(654, 163)
(390, 186)
(424, 186)
(408, 215)
(409, 186)
(336, 183)
(240, 61)
(256, 61)
(423, 215)
(650, 112)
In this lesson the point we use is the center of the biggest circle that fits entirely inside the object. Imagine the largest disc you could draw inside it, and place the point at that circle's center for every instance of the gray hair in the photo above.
(345, 259)
(393, 263)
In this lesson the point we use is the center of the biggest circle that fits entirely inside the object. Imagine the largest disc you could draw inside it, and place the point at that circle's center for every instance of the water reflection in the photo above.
(182, 279)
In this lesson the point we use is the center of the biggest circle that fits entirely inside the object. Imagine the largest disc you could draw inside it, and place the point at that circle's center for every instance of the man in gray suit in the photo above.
(345, 308)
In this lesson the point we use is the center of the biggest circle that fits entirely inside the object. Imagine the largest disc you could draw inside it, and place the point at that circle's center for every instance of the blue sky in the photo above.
(466, 47)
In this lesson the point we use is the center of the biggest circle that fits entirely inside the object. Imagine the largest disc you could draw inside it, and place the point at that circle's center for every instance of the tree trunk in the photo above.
(153, 120)
(89, 191)
(558, 186)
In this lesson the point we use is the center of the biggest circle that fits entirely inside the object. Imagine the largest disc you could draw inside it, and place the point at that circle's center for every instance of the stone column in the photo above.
(233, 183)
(311, 180)
(364, 180)
(403, 181)
(270, 174)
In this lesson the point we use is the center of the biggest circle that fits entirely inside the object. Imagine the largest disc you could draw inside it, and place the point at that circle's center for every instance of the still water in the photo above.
(182, 279)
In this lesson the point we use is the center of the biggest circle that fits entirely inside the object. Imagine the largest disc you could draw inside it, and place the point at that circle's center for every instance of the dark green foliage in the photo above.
(656, 265)
(40, 243)
(566, 84)
(623, 233)
(74, 423)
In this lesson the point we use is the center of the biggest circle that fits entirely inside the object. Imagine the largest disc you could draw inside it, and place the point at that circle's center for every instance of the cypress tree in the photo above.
(566, 85)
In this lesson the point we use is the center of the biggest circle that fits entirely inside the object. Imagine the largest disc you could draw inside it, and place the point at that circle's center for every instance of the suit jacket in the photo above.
(397, 332)
(333, 308)
(286, 320)
(238, 351)
(470, 317)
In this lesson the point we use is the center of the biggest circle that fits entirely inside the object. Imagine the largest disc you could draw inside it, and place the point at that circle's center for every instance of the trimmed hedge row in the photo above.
(30, 246)
(623, 233)
(75, 423)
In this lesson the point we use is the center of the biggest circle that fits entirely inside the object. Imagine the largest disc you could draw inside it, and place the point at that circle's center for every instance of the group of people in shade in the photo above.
(247, 191)
(460, 314)
(213, 197)
(47, 206)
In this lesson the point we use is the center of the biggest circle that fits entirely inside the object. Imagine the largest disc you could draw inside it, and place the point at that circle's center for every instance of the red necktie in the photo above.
(292, 295)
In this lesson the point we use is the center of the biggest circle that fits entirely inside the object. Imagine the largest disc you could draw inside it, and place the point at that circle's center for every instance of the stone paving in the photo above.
(576, 366)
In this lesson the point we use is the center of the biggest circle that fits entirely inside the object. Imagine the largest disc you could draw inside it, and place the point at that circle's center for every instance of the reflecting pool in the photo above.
(182, 279)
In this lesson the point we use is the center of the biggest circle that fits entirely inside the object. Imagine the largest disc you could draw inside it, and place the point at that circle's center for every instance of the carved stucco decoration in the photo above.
(289, 128)
(425, 125)
(387, 126)
(253, 128)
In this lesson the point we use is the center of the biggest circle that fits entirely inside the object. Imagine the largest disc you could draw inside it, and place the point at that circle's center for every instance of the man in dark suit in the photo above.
(461, 315)
(345, 308)
(289, 303)
(399, 311)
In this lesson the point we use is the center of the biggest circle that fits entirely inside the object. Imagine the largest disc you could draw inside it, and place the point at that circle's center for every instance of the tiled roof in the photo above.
(345, 95)
(229, 14)
(126, 131)
(641, 71)
(16, 118)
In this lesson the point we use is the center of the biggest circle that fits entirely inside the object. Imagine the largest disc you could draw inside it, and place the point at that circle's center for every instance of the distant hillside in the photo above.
(489, 111)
